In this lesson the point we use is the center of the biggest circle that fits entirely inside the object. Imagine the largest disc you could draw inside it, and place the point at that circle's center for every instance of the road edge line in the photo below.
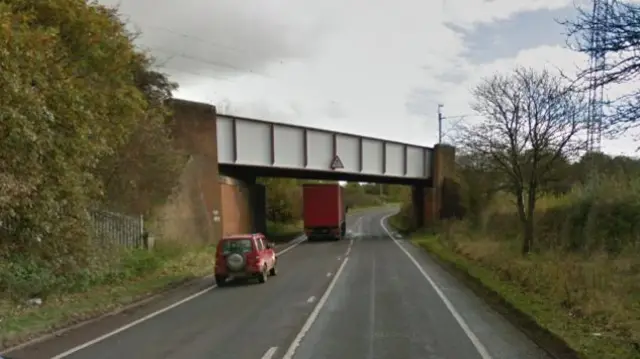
(482, 350)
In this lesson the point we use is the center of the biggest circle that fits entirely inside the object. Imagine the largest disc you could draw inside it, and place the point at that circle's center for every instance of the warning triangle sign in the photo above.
(336, 163)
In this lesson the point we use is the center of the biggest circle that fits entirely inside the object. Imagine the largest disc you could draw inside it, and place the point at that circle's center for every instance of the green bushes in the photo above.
(27, 276)
(605, 216)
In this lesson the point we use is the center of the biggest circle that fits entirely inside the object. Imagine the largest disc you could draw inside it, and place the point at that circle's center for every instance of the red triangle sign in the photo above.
(336, 163)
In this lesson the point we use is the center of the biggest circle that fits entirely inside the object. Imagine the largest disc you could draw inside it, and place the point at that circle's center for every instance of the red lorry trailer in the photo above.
(323, 211)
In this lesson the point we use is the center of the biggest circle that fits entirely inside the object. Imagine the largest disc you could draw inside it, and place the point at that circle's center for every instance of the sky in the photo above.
(375, 68)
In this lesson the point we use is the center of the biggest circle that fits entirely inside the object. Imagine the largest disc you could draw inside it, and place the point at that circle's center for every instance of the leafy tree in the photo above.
(284, 199)
(530, 123)
(69, 99)
(143, 171)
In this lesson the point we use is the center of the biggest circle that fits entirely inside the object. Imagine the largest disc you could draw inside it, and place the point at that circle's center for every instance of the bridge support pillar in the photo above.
(257, 205)
(196, 207)
(418, 206)
(442, 199)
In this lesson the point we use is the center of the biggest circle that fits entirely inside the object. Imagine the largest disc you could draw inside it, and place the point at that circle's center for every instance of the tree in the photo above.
(69, 99)
(617, 28)
(284, 199)
(530, 123)
(143, 171)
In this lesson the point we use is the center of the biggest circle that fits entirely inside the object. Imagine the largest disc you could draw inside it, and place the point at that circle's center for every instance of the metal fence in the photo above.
(108, 227)
(117, 228)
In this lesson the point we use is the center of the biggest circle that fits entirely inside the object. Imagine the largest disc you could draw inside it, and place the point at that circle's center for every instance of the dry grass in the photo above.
(582, 282)
(592, 302)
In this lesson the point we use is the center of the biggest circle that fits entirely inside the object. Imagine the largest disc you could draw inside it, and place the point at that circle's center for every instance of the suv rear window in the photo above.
(236, 246)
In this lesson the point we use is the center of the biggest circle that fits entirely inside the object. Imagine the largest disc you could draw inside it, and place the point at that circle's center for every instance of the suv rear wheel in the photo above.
(263, 275)
(274, 270)
(221, 280)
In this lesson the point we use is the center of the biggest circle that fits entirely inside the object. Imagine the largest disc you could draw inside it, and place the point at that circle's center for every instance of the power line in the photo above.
(441, 117)
(199, 39)
(204, 61)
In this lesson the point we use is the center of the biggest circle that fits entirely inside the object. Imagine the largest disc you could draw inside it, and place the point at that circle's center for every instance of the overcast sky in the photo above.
(377, 68)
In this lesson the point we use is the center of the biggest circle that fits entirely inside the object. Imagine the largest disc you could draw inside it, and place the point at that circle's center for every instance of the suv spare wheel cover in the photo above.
(235, 261)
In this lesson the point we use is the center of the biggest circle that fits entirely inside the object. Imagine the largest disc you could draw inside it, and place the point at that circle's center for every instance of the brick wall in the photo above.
(236, 212)
(206, 206)
(194, 127)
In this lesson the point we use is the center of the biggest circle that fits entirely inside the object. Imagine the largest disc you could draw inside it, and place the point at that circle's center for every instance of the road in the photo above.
(370, 297)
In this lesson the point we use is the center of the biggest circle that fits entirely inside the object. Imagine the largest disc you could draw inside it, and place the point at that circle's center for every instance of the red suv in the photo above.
(244, 256)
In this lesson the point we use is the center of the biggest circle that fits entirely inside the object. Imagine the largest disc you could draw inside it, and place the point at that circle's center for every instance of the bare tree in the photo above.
(530, 122)
(616, 27)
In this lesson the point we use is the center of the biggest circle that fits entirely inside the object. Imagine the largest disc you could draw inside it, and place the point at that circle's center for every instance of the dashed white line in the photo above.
(314, 315)
(151, 315)
(270, 353)
(482, 350)
(329, 274)
(311, 299)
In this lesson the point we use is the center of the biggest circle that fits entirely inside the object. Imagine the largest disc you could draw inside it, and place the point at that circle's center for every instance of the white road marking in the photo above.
(314, 315)
(482, 350)
(311, 299)
(292, 246)
(339, 258)
(328, 274)
(372, 310)
(150, 315)
(270, 353)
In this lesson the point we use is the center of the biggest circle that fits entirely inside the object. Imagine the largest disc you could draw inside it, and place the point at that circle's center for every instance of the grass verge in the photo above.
(563, 332)
(140, 275)
(283, 232)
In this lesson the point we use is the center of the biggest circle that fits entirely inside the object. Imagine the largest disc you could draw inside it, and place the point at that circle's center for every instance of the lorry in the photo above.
(323, 211)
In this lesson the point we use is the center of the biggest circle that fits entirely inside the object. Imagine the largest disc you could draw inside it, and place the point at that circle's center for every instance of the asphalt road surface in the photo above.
(370, 297)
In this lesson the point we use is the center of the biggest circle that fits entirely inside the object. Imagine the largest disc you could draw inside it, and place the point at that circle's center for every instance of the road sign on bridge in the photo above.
(336, 163)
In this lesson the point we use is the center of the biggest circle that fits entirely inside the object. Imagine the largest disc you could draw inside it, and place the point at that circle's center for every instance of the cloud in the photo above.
(552, 58)
(223, 37)
(524, 30)
(470, 13)
(373, 68)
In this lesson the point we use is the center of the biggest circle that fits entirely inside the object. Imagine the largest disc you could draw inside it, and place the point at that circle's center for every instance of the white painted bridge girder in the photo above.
(250, 142)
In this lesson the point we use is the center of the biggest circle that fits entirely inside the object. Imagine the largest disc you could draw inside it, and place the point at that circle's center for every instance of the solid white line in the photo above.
(149, 316)
(292, 246)
(270, 353)
(482, 350)
(314, 315)
(311, 299)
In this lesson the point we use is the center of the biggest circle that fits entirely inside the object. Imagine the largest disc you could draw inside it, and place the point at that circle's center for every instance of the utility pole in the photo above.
(440, 123)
